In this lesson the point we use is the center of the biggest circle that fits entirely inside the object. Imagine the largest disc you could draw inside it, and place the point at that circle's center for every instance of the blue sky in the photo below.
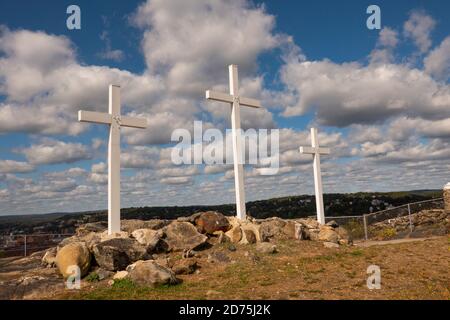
(379, 97)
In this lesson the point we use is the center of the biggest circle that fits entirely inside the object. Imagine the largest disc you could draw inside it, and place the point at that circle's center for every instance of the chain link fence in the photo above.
(26, 244)
(360, 227)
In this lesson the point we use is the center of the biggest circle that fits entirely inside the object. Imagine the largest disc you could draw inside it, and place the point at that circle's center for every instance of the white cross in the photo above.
(115, 122)
(316, 151)
(236, 101)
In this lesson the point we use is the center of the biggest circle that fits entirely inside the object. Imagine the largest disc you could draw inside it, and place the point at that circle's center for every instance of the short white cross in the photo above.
(316, 151)
(236, 101)
(115, 122)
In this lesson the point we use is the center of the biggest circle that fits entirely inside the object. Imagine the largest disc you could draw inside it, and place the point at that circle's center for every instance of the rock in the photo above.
(222, 237)
(344, 242)
(343, 234)
(266, 248)
(165, 262)
(184, 266)
(183, 235)
(218, 257)
(187, 253)
(73, 254)
(273, 228)
(90, 239)
(309, 223)
(190, 219)
(104, 236)
(446, 195)
(212, 221)
(84, 229)
(120, 275)
(332, 224)
(289, 229)
(234, 234)
(149, 273)
(131, 225)
(49, 258)
(249, 237)
(103, 274)
(148, 237)
(299, 232)
(312, 234)
(328, 234)
(330, 245)
(231, 247)
(116, 254)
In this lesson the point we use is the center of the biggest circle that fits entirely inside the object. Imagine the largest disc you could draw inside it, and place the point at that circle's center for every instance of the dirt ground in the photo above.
(300, 270)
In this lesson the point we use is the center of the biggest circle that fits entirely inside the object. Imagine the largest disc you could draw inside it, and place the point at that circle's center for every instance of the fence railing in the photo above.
(26, 244)
(359, 226)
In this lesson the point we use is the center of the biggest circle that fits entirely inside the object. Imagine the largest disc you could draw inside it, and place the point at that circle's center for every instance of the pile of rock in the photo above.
(139, 252)
(424, 223)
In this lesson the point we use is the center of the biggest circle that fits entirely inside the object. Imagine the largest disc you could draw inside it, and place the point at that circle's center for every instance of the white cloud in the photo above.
(11, 166)
(437, 63)
(349, 93)
(419, 27)
(51, 151)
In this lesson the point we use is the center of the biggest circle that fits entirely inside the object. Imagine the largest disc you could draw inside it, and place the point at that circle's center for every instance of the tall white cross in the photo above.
(236, 101)
(115, 122)
(316, 151)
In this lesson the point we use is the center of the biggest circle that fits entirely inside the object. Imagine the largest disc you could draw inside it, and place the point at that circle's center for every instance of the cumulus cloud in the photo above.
(437, 63)
(11, 166)
(419, 27)
(51, 151)
(350, 93)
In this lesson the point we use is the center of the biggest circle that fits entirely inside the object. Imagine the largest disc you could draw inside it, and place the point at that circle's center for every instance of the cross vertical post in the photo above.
(237, 144)
(238, 157)
(115, 122)
(114, 161)
(316, 151)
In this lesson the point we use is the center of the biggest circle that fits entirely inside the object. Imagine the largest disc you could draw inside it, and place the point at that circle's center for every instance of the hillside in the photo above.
(286, 207)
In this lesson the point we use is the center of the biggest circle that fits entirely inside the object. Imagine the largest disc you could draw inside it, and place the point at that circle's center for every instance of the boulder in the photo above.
(343, 235)
(73, 254)
(309, 223)
(120, 275)
(184, 266)
(89, 238)
(271, 228)
(328, 234)
(330, 245)
(234, 234)
(249, 236)
(332, 224)
(148, 237)
(49, 258)
(117, 254)
(149, 273)
(134, 224)
(103, 274)
(190, 219)
(104, 236)
(183, 235)
(212, 221)
(266, 248)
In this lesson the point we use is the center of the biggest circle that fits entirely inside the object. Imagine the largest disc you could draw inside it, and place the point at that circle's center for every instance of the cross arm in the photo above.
(97, 117)
(312, 150)
(219, 96)
(249, 102)
(134, 122)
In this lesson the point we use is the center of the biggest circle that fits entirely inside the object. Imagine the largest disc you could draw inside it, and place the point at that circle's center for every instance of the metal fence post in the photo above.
(365, 227)
(25, 245)
(409, 215)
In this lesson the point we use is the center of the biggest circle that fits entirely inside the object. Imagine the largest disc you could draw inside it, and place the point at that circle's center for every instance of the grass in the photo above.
(303, 270)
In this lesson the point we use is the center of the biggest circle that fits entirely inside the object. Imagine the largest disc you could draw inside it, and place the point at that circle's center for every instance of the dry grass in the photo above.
(304, 270)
